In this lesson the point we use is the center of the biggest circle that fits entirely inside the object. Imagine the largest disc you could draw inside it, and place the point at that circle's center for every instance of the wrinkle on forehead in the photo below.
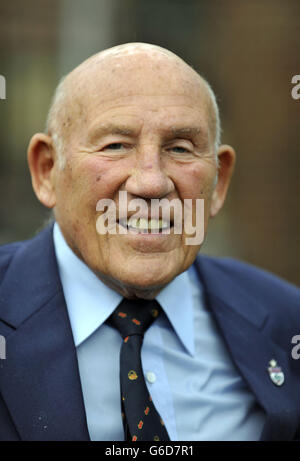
(110, 71)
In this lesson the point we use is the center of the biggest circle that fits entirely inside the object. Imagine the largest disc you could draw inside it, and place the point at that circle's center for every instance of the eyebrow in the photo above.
(109, 128)
(199, 136)
(188, 131)
(124, 130)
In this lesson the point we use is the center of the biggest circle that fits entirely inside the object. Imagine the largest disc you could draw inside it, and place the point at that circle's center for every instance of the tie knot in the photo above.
(133, 317)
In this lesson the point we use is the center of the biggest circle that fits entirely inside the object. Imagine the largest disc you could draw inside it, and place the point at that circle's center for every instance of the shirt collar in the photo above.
(177, 302)
(90, 302)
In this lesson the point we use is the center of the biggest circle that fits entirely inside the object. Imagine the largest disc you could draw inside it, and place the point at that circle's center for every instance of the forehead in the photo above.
(138, 73)
(159, 87)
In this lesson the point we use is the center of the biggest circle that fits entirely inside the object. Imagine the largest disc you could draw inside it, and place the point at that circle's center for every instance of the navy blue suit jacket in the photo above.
(40, 391)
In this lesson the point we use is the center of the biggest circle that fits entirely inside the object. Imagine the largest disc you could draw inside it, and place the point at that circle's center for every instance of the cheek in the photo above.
(96, 178)
(196, 180)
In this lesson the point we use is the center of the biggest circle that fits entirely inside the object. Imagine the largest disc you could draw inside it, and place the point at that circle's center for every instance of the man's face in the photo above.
(144, 130)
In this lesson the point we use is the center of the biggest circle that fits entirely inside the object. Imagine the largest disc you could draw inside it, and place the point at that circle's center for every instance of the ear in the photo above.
(41, 161)
(226, 158)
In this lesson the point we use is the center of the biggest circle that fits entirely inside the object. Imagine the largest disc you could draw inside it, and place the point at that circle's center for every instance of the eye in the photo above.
(115, 146)
(179, 150)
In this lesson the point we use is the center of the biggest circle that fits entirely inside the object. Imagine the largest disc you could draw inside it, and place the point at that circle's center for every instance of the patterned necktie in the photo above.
(140, 418)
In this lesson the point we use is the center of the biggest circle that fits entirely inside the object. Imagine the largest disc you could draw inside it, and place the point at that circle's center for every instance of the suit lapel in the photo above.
(244, 324)
(39, 380)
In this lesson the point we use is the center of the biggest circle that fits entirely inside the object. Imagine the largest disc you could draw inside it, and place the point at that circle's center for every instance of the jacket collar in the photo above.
(40, 374)
(246, 325)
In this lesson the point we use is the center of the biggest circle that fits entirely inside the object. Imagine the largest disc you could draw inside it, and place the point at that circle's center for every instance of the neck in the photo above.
(130, 291)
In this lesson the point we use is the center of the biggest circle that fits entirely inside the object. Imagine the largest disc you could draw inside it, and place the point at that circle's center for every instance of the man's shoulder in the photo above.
(256, 282)
(8, 251)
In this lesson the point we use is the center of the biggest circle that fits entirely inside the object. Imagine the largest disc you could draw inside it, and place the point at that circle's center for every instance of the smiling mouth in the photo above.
(146, 226)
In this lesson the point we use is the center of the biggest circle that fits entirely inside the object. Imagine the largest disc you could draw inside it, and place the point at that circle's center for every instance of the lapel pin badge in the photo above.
(275, 373)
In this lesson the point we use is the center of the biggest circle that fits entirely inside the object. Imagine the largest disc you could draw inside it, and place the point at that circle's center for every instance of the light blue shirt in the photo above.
(192, 380)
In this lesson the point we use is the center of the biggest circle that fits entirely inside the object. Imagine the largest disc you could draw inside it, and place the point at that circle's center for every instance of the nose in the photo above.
(148, 178)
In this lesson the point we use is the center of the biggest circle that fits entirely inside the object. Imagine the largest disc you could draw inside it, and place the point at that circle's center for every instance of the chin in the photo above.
(147, 279)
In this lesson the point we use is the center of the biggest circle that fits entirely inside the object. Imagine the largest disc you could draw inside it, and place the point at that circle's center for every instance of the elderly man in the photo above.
(123, 333)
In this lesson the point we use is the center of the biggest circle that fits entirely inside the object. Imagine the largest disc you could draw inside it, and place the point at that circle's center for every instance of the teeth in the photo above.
(142, 223)
(132, 222)
(158, 224)
(155, 223)
(147, 224)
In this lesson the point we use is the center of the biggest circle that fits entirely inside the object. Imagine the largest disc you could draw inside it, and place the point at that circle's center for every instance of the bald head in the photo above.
(133, 121)
(108, 72)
